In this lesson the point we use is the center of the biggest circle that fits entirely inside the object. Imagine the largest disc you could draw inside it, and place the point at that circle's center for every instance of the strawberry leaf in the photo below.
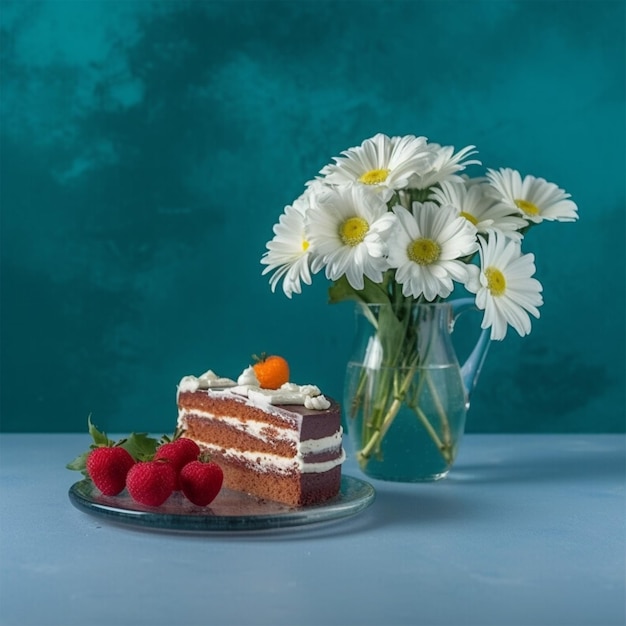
(79, 464)
(140, 446)
(99, 439)
(177, 434)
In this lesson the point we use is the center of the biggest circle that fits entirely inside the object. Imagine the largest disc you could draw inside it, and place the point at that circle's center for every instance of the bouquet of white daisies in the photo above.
(393, 222)
(397, 213)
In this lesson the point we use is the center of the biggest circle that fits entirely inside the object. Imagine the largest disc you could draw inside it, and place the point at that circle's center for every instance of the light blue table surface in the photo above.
(527, 529)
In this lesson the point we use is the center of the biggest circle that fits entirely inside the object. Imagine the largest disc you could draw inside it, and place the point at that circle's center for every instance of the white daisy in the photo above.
(534, 198)
(443, 165)
(289, 253)
(381, 162)
(426, 247)
(348, 227)
(473, 202)
(504, 286)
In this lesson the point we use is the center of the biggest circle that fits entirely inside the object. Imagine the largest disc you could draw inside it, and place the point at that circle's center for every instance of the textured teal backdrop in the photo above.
(149, 147)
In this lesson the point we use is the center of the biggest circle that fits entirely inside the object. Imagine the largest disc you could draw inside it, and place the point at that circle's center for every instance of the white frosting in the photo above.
(274, 396)
(281, 464)
(310, 390)
(248, 377)
(247, 385)
(309, 396)
(188, 383)
(210, 380)
(319, 403)
(324, 444)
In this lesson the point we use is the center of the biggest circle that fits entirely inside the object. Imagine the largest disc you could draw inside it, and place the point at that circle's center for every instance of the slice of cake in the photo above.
(283, 444)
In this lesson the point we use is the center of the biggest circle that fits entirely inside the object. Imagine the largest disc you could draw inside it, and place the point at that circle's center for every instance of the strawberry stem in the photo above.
(205, 456)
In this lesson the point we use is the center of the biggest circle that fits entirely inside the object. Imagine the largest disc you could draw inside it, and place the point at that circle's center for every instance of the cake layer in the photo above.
(230, 432)
(225, 403)
(267, 450)
(294, 489)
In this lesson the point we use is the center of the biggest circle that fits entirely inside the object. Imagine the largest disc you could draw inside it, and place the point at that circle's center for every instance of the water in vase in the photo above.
(405, 425)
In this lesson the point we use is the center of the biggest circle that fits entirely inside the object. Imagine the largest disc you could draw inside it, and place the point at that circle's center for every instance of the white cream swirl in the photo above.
(318, 403)
(188, 383)
(248, 377)
(210, 379)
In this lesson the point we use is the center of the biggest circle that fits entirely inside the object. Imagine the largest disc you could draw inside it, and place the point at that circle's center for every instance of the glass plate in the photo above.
(230, 511)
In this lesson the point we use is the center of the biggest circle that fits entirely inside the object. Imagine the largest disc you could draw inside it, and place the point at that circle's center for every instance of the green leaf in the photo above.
(177, 434)
(140, 446)
(372, 293)
(392, 333)
(100, 439)
(79, 464)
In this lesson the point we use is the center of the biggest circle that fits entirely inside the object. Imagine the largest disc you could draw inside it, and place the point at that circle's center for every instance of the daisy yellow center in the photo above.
(374, 177)
(469, 217)
(305, 245)
(528, 207)
(496, 283)
(353, 231)
(423, 251)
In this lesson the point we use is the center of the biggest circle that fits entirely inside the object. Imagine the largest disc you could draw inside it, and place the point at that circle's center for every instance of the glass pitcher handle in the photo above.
(470, 370)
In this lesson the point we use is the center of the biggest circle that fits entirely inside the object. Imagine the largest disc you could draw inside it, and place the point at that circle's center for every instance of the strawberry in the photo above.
(107, 467)
(201, 481)
(271, 371)
(151, 482)
(178, 452)
(138, 445)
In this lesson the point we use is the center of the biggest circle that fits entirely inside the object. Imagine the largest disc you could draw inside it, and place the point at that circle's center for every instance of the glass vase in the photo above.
(406, 395)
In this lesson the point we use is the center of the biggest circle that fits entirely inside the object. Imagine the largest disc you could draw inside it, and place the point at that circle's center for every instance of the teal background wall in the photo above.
(147, 149)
